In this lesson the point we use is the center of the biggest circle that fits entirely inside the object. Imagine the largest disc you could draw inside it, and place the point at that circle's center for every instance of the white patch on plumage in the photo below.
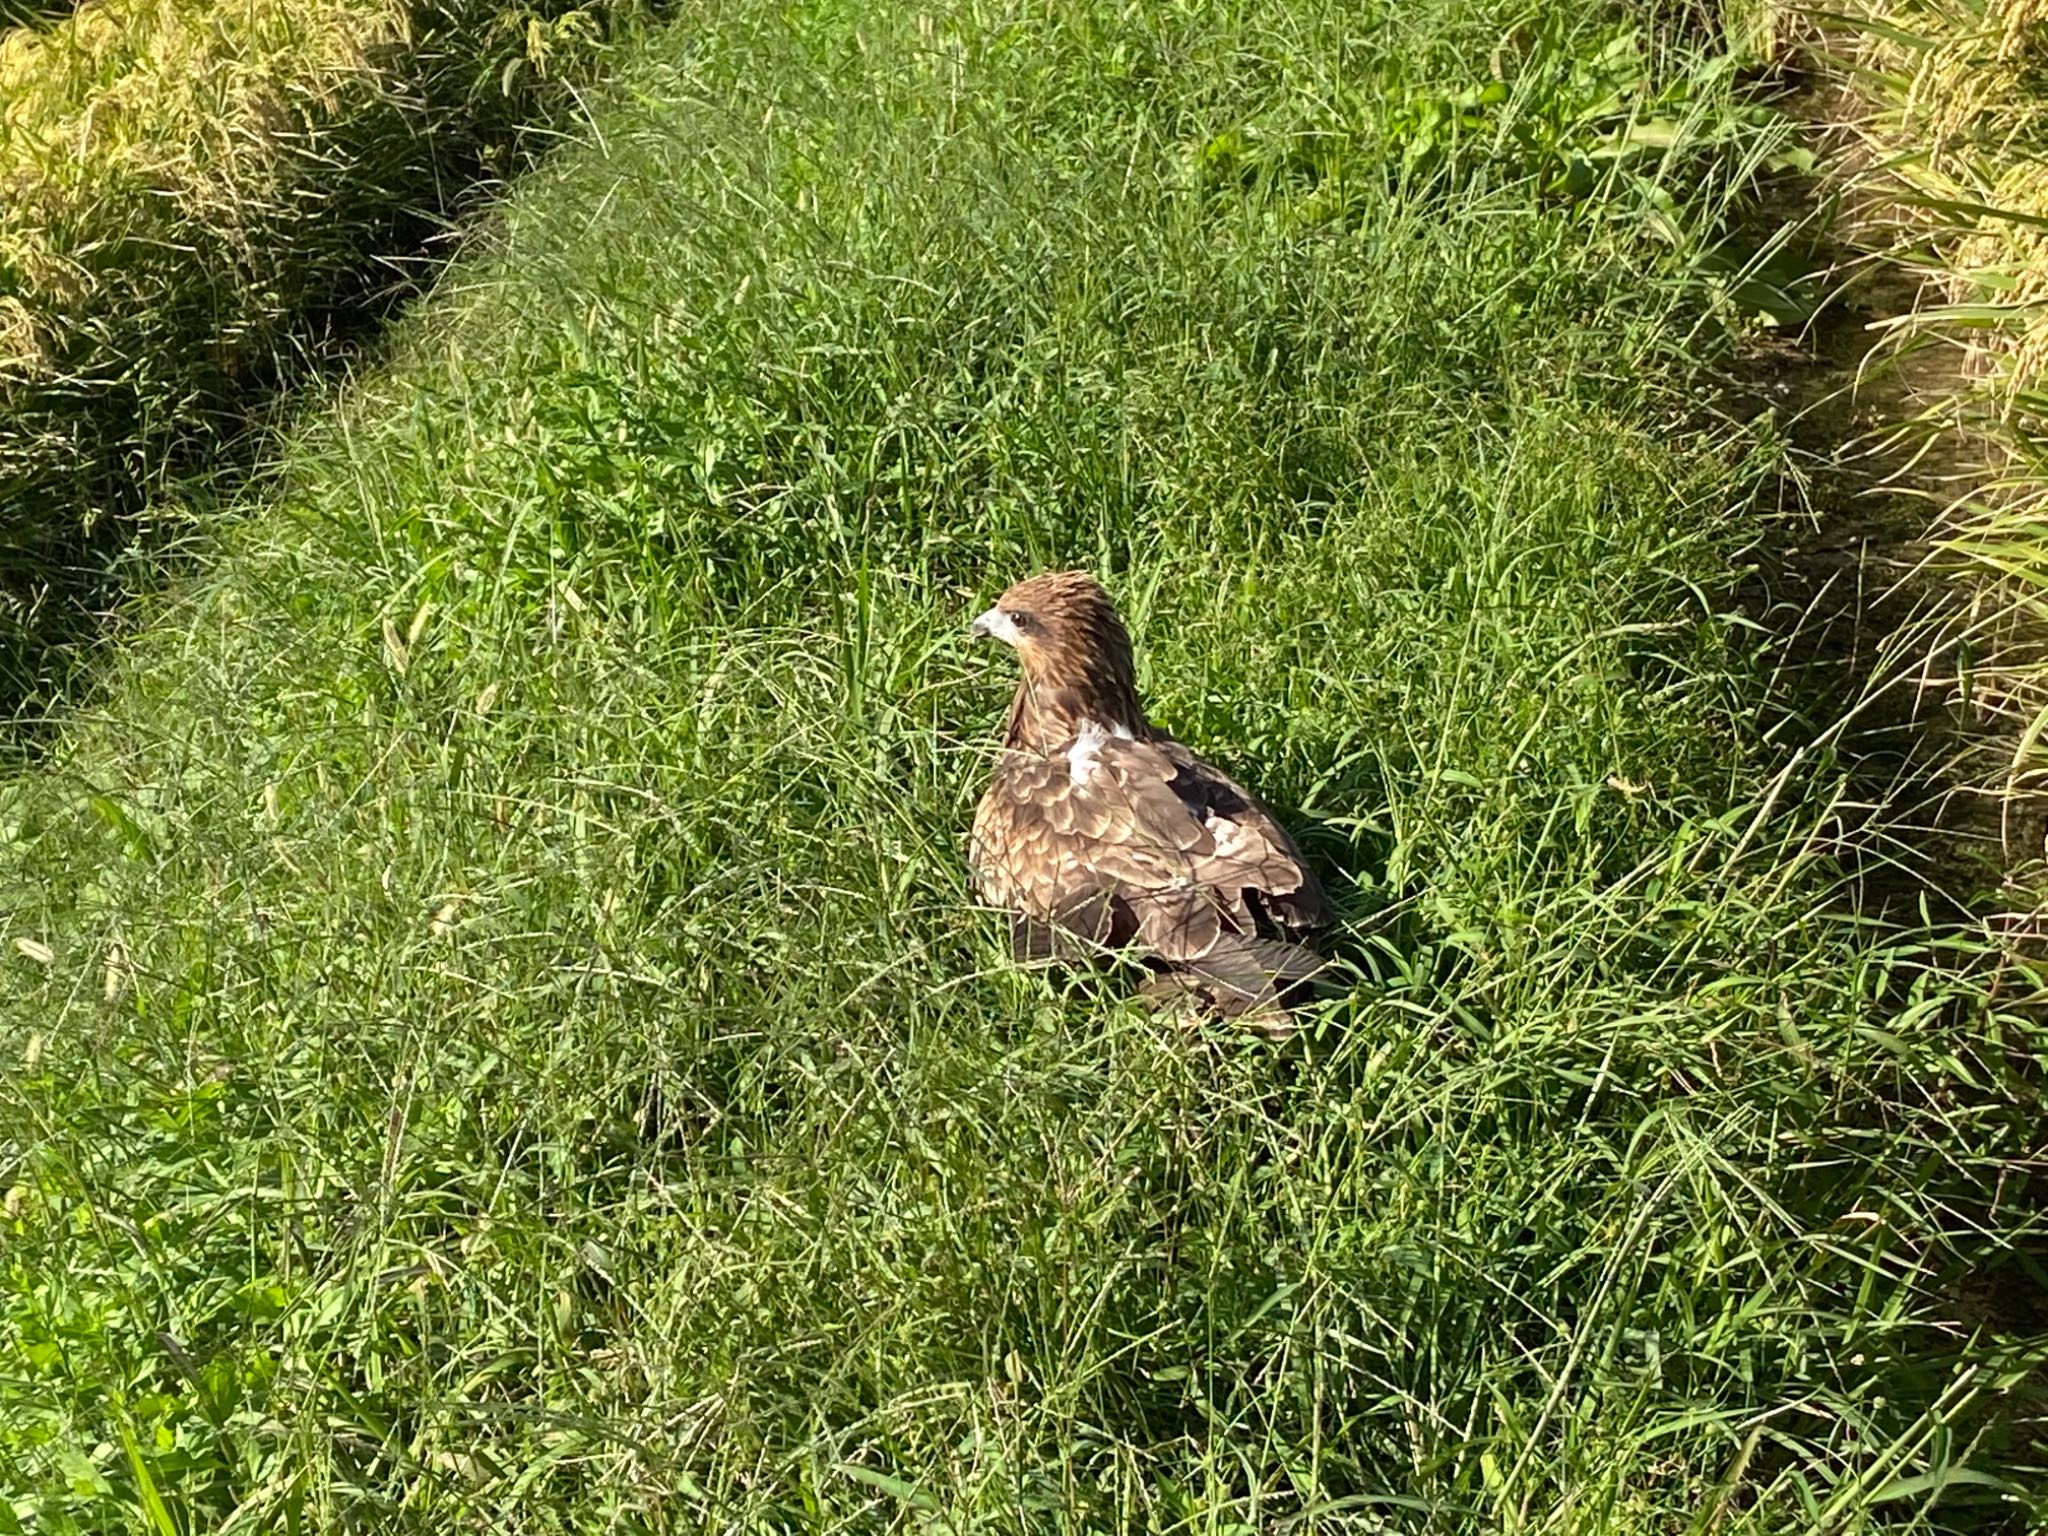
(1232, 840)
(1242, 853)
(1084, 757)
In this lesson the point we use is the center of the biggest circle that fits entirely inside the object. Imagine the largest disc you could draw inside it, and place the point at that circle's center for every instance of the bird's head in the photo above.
(1059, 612)
(1075, 651)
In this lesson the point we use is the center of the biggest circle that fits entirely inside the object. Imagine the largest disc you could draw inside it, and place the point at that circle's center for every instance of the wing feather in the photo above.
(1177, 844)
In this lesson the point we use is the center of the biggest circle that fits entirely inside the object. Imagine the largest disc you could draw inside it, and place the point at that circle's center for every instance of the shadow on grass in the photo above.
(1862, 622)
(68, 595)
(34, 13)
(1867, 631)
(166, 377)
(1865, 623)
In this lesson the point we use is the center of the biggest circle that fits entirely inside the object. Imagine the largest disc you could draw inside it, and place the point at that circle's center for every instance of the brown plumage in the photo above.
(1100, 832)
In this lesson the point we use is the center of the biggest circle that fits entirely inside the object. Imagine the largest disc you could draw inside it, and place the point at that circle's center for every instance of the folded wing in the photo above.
(1117, 840)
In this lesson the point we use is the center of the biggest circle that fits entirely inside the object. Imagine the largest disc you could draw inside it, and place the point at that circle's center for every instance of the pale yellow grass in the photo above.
(1950, 99)
(1957, 99)
(166, 113)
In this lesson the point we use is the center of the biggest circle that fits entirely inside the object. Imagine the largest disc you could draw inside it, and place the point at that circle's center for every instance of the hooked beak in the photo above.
(994, 625)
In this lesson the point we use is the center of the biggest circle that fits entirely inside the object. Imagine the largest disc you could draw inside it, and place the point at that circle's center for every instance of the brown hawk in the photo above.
(1099, 832)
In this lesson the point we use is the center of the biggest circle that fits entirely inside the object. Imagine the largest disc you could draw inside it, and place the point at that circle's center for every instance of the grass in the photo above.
(1951, 117)
(1959, 115)
(202, 202)
(500, 1039)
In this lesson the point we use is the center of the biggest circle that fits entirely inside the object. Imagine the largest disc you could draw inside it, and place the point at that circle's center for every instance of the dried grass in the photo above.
(1949, 100)
(198, 201)
(187, 110)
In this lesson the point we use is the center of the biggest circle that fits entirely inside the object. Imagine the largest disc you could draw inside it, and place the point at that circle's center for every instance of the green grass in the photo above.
(497, 1034)
(204, 202)
(1949, 107)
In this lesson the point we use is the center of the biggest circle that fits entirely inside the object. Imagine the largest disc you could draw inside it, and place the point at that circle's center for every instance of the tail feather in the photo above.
(1244, 971)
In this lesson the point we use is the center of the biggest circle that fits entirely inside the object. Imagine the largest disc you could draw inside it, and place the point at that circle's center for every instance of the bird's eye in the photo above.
(1020, 618)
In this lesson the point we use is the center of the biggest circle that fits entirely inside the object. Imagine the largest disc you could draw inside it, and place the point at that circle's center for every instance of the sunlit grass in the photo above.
(197, 202)
(1948, 102)
(503, 1041)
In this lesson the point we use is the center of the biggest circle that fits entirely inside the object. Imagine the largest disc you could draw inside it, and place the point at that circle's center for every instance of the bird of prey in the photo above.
(1099, 832)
